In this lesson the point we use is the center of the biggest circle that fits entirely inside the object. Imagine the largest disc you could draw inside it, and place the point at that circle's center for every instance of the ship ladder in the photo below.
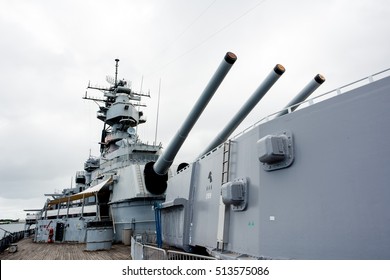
(226, 162)
(223, 212)
(139, 179)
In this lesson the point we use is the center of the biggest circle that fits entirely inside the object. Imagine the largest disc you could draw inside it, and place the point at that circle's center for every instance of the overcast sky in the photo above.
(50, 50)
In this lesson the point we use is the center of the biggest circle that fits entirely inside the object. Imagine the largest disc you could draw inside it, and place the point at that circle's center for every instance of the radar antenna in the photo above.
(110, 80)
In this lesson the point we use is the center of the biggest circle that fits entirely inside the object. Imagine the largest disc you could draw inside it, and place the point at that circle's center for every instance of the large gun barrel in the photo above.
(303, 94)
(156, 173)
(264, 87)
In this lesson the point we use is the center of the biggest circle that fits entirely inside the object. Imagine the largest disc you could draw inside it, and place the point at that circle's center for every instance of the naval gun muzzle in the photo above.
(255, 98)
(303, 94)
(156, 173)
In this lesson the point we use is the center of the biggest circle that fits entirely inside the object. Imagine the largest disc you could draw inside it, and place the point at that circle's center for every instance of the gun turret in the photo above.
(265, 86)
(303, 94)
(156, 173)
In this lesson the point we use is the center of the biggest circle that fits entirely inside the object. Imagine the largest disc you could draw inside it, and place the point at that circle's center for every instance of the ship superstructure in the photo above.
(311, 183)
(299, 184)
(110, 193)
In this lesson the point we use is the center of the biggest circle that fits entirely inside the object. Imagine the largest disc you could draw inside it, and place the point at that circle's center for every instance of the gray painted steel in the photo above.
(99, 238)
(137, 215)
(304, 93)
(124, 202)
(165, 160)
(310, 184)
(241, 114)
(176, 212)
(332, 202)
(75, 229)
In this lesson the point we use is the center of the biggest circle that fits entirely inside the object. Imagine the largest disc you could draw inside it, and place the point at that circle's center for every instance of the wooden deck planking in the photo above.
(28, 250)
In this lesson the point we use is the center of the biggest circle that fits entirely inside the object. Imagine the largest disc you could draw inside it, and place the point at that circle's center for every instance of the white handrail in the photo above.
(311, 101)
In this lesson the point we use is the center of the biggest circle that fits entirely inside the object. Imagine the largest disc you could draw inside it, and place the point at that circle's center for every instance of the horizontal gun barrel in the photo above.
(165, 160)
(263, 88)
(303, 94)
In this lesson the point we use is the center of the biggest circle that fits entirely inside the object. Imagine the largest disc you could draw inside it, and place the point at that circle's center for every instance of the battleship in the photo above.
(109, 197)
(307, 182)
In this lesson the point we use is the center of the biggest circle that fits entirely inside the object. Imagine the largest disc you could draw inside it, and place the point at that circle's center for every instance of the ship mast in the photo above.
(116, 72)
(119, 111)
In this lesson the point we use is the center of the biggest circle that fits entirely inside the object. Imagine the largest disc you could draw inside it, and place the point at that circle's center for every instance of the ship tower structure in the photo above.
(129, 204)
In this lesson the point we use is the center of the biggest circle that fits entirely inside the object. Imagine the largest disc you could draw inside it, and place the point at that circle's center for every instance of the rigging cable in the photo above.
(210, 37)
(186, 28)
(158, 109)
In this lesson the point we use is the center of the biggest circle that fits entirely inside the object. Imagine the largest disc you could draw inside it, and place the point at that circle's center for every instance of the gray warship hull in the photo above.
(113, 199)
(310, 184)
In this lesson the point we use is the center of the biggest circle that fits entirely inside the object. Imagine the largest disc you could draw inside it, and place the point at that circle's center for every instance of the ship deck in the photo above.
(29, 250)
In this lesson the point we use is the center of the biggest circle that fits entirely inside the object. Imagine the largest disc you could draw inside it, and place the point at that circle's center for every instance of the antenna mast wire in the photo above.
(158, 110)
(208, 38)
(139, 105)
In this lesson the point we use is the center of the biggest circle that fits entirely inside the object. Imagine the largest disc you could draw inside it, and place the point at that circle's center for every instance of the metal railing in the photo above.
(177, 255)
(308, 102)
(141, 251)
(153, 253)
(11, 238)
